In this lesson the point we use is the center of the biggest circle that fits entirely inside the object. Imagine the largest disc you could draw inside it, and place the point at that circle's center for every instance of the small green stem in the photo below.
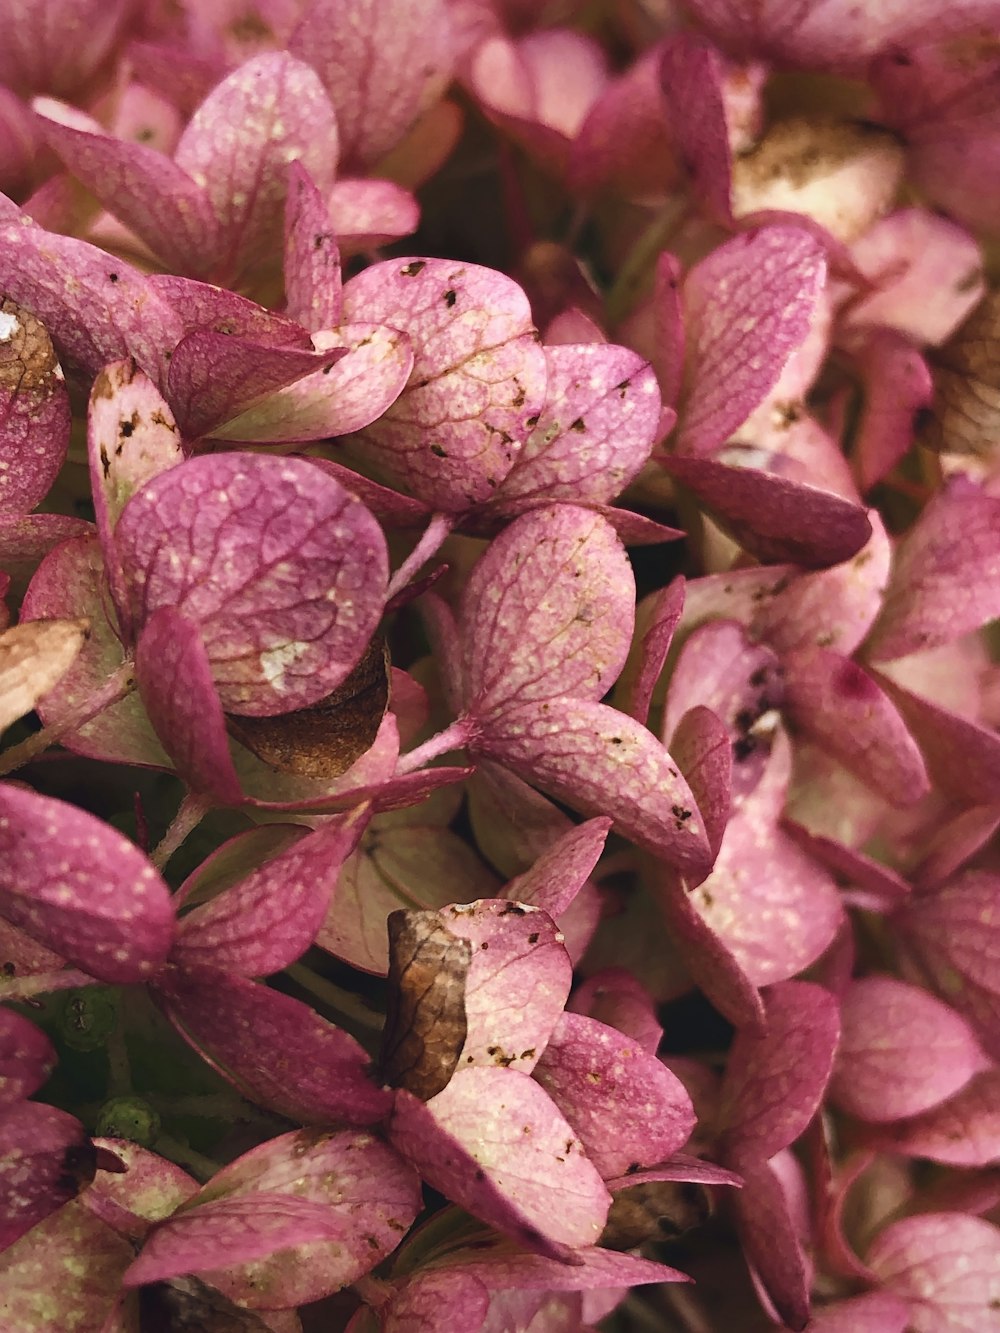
(176, 1150)
(344, 1001)
(212, 1106)
(637, 263)
(191, 811)
(119, 1068)
(454, 737)
(118, 685)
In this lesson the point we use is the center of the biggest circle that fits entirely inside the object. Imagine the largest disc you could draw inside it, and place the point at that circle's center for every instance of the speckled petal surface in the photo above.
(946, 1266)
(34, 410)
(34, 656)
(27, 1057)
(312, 260)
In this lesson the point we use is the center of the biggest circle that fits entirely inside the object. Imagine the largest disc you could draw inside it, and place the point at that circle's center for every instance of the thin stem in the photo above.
(201, 1167)
(23, 988)
(452, 738)
(643, 253)
(344, 1001)
(118, 685)
(191, 811)
(434, 534)
(212, 1106)
(119, 1069)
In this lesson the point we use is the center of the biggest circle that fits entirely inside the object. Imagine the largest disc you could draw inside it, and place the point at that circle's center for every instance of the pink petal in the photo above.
(58, 49)
(96, 308)
(771, 1245)
(34, 410)
(962, 1131)
(772, 517)
(875, 1312)
(602, 762)
(381, 63)
(202, 306)
(266, 543)
(853, 866)
(898, 386)
(360, 1183)
(99, 903)
(312, 259)
(502, 1268)
(946, 1266)
(70, 581)
(597, 428)
(34, 656)
(559, 874)
(366, 371)
(548, 610)
(215, 377)
(704, 754)
(902, 1051)
(367, 214)
(628, 1109)
(494, 1143)
(174, 677)
(272, 916)
(44, 1158)
(278, 1051)
(238, 144)
(681, 1167)
(478, 376)
(27, 1058)
(225, 1232)
(832, 608)
(417, 1306)
(518, 981)
(774, 1081)
(691, 76)
(747, 307)
(837, 704)
(146, 191)
(664, 612)
(945, 576)
(614, 997)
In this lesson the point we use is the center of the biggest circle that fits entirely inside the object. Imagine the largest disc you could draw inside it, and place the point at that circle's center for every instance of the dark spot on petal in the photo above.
(680, 813)
(480, 1174)
(533, 937)
(450, 297)
(112, 277)
(411, 270)
(531, 421)
(578, 425)
(437, 451)
(127, 428)
(105, 461)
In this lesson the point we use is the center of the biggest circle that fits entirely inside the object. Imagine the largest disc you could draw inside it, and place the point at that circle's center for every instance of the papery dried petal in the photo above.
(98, 902)
(477, 381)
(495, 1144)
(34, 410)
(277, 1050)
(774, 1081)
(901, 1051)
(628, 1109)
(34, 656)
(284, 573)
(946, 1266)
(548, 610)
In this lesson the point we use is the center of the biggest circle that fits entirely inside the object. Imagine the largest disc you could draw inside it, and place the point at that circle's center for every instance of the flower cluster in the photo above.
(499, 541)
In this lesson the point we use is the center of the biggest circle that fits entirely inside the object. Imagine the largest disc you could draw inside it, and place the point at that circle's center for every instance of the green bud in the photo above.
(128, 1118)
(87, 1017)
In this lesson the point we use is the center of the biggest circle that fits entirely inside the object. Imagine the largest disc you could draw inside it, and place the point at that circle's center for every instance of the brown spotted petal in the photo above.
(34, 410)
(45, 1158)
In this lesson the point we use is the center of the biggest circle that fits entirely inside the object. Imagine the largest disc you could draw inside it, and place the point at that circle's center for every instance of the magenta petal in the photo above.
(175, 683)
(901, 1051)
(774, 1081)
(214, 377)
(227, 1231)
(680, 1167)
(96, 309)
(897, 385)
(857, 869)
(517, 984)
(99, 903)
(34, 410)
(599, 423)
(502, 1268)
(559, 874)
(962, 1131)
(478, 377)
(272, 916)
(366, 370)
(26, 1058)
(946, 1265)
(417, 1306)
(875, 1312)
(368, 214)
(239, 142)
(748, 307)
(39, 1148)
(144, 189)
(664, 612)
(312, 260)
(613, 996)
(627, 1107)
(768, 1234)
(283, 572)
(603, 762)
(200, 305)
(276, 1049)
(772, 517)
(394, 55)
(56, 50)
(945, 575)
(548, 610)
(495, 1144)
(691, 76)
(836, 704)
(704, 754)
